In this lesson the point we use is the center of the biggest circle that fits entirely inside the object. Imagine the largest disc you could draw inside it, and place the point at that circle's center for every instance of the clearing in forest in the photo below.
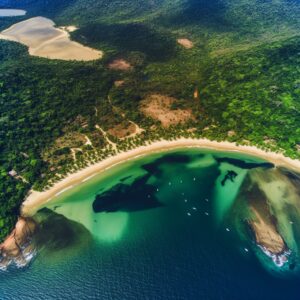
(186, 43)
(120, 64)
(159, 107)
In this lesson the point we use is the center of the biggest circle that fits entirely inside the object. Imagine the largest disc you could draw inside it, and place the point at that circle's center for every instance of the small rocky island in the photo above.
(267, 235)
(263, 225)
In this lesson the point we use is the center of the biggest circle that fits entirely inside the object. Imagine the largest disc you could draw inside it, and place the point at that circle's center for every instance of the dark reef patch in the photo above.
(229, 176)
(243, 164)
(154, 167)
(128, 198)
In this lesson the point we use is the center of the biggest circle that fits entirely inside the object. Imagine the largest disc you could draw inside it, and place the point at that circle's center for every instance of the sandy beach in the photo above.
(43, 39)
(35, 200)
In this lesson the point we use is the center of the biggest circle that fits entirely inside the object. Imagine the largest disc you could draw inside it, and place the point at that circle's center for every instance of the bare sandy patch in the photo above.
(126, 130)
(120, 64)
(105, 135)
(119, 83)
(44, 40)
(186, 43)
(70, 28)
(122, 130)
(158, 107)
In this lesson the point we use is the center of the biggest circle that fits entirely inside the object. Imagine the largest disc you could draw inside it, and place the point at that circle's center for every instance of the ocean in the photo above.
(171, 225)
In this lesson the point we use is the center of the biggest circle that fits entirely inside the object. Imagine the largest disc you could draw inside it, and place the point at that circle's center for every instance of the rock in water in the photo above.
(17, 247)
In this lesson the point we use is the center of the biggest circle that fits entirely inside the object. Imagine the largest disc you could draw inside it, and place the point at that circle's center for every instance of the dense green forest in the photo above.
(56, 117)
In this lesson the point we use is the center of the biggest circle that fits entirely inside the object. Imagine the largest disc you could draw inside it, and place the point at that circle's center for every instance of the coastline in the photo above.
(35, 199)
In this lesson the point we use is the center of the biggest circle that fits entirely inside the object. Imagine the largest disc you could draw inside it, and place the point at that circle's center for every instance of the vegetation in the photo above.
(241, 82)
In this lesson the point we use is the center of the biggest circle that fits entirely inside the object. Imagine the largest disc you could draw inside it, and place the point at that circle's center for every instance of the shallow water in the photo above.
(162, 227)
(12, 12)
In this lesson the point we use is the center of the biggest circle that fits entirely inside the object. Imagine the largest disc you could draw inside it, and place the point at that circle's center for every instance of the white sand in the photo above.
(45, 40)
(70, 28)
(12, 12)
(36, 199)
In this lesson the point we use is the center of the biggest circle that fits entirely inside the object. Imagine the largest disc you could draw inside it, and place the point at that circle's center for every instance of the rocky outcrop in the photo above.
(264, 225)
(269, 239)
(17, 247)
(267, 235)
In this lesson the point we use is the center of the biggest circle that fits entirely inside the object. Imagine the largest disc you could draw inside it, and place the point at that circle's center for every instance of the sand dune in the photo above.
(44, 40)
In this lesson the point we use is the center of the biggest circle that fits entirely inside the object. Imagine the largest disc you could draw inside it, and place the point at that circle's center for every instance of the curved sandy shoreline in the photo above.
(36, 199)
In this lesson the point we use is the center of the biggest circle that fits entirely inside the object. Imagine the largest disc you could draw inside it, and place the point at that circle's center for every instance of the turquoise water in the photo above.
(166, 226)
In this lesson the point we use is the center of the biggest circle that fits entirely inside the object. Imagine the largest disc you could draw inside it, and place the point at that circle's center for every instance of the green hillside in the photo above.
(230, 21)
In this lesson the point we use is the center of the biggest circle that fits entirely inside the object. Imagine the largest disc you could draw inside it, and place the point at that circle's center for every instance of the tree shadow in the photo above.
(126, 38)
(210, 14)
(244, 164)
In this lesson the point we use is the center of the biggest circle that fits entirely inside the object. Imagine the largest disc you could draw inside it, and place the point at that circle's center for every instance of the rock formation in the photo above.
(17, 247)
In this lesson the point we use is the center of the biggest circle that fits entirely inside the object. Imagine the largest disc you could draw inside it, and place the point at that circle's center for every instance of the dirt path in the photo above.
(114, 145)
